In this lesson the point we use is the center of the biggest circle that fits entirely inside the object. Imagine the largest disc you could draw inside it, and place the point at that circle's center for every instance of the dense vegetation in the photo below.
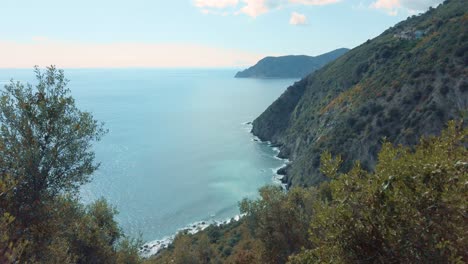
(412, 209)
(405, 83)
(377, 202)
(45, 156)
(403, 203)
(291, 66)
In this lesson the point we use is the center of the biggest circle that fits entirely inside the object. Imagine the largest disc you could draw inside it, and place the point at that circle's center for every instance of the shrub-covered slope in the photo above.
(405, 83)
(289, 66)
(411, 209)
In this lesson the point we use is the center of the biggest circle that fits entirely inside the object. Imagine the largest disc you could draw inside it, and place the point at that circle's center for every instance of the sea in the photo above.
(179, 148)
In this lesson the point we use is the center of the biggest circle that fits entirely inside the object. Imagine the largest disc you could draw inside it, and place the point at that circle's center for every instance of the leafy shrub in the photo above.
(444, 89)
(45, 156)
(463, 87)
(410, 210)
(280, 221)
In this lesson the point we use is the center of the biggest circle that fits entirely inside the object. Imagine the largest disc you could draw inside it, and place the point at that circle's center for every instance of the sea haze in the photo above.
(178, 149)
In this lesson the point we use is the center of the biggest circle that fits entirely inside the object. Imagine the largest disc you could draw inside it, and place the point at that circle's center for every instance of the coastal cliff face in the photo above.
(405, 83)
(289, 66)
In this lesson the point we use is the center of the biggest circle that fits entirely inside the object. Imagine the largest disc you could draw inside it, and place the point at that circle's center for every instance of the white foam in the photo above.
(154, 247)
(277, 179)
(247, 126)
(256, 139)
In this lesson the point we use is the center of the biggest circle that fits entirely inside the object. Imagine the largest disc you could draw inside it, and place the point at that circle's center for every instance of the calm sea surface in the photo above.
(178, 149)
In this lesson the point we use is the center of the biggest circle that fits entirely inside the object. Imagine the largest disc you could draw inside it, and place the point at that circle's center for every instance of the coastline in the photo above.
(279, 172)
(152, 248)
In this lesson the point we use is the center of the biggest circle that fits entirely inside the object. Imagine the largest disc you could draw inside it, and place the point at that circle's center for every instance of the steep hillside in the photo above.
(357, 217)
(289, 66)
(403, 84)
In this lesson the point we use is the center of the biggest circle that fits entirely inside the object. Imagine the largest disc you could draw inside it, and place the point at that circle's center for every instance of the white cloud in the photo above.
(392, 7)
(254, 8)
(216, 3)
(314, 2)
(297, 19)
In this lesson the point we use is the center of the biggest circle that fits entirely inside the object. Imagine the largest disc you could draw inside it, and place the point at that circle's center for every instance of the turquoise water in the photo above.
(178, 149)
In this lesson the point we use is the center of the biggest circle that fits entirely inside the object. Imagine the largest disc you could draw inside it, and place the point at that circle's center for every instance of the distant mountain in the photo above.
(407, 82)
(293, 66)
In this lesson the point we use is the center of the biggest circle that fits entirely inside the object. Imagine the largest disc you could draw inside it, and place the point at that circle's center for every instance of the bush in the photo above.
(280, 221)
(463, 87)
(393, 115)
(45, 156)
(444, 89)
(410, 210)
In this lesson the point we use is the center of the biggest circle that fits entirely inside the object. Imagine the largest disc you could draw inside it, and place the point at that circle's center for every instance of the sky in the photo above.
(187, 33)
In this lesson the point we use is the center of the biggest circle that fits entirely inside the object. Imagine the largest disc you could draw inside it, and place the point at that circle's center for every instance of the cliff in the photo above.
(407, 82)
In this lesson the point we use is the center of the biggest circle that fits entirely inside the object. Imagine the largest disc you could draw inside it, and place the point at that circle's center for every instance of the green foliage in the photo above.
(274, 227)
(45, 155)
(279, 220)
(75, 233)
(46, 138)
(10, 249)
(127, 251)
(96, 233)
(412, 209)
(227, 243)
(387, 87)
(404, 206)
(329, 166)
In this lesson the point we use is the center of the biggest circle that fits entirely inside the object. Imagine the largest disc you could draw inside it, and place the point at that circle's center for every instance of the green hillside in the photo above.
(405, 83)
(411, 206)
(411, 209)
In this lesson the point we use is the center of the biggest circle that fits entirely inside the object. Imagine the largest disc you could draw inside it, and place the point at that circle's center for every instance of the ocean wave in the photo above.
(278, 178)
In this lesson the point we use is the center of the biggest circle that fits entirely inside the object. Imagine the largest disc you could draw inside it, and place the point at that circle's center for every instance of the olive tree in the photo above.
(45, 140)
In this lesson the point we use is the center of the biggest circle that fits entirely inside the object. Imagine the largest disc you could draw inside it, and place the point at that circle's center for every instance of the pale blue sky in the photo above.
(200, 23)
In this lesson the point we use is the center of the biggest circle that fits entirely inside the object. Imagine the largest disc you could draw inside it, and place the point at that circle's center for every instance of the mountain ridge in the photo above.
(403, 84)
(290, 66)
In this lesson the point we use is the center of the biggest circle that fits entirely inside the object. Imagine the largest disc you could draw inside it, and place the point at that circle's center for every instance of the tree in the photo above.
(45, 155)
(412, 209)
(46, 140)
(279, 220)
(10, 248)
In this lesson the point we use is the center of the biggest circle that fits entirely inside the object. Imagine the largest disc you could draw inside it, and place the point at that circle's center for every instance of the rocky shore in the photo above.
(154, 247)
